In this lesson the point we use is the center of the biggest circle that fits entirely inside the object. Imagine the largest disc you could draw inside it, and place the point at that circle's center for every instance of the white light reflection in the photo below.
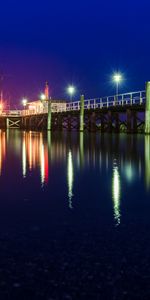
(70, 178)
(116, 193)
(24, 159)
(30, 150)
(42, 160)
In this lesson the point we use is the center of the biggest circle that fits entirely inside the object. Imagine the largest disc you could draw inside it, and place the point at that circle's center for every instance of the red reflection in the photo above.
(35, 155)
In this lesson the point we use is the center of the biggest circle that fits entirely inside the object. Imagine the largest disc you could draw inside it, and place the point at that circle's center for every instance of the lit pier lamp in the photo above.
(43, 97)
(24, 102)
(117, 78)
(71, 91)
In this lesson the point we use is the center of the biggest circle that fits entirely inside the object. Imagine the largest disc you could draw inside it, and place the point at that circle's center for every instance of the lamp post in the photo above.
(117, 78)
(24, 103)
(71, 91)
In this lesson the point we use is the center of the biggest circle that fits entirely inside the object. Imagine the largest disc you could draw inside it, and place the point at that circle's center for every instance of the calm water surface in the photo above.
(74, 216)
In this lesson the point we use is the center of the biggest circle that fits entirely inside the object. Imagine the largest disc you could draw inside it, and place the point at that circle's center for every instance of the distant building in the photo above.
(41, 106)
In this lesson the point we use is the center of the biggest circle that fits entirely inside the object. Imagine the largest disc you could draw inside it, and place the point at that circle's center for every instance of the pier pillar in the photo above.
(134, 122)
(49, 116)
(92, 122)
(102, 123)
(129, 123)
(117, 127)
(109, 121)
(7, 123)
(59, 122)
(82, 113)
(147, 111)
(69, 123)
(30, 122)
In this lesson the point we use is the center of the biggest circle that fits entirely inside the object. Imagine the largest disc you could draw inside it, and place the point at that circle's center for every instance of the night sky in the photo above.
(81, 42)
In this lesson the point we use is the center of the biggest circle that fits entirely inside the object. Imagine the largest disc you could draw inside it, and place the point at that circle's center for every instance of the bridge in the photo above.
(128, 112)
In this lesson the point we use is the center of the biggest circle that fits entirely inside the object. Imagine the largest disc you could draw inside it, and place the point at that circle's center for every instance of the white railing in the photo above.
(133, 98)
(12, 113)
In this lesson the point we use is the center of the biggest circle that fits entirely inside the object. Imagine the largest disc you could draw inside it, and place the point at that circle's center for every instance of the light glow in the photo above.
(129, 172)
(71, 90)
(43, 97)
(117, 77)
(24, 102)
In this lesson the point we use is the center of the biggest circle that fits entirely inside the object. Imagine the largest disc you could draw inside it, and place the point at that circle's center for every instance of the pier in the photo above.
(129, 112)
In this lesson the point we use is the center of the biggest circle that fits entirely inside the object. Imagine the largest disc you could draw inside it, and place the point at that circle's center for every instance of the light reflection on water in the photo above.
(126, 159)
(116, 192)
(70, 178)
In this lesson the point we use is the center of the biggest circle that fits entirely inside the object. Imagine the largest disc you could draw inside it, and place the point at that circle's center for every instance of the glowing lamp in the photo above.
(43, 97)
(117, 77)
(71, 90)
(24, 102)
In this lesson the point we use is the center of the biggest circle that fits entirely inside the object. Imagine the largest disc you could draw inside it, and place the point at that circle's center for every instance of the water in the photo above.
(74, 216)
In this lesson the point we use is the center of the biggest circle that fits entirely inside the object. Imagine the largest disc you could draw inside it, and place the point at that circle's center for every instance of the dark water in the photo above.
(74, 216)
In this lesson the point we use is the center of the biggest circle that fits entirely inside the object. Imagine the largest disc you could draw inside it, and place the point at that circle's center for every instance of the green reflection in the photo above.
(116, 191)
(81, 148)
(147, 161)
(70, 178)
(129, 172)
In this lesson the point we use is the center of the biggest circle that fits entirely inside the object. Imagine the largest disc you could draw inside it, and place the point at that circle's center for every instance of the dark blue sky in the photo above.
(81, 42)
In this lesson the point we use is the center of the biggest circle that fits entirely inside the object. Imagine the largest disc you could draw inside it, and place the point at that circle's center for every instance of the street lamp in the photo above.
(117, 78)
(43, 97)
(24, 102)
(71, 91)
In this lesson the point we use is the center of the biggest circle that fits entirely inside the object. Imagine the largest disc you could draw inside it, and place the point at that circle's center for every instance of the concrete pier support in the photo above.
(82, 113)
(49, 116)
(147, 111)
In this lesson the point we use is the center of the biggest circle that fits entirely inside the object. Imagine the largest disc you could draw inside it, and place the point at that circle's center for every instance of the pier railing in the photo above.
(132, 98)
